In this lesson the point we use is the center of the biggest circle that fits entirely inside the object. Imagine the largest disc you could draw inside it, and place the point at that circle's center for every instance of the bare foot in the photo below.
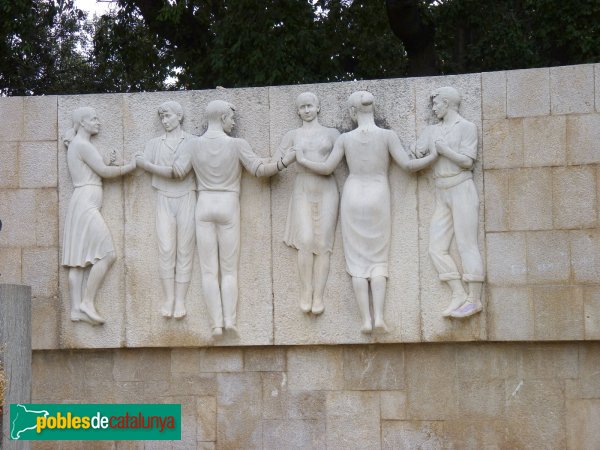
(467, 310)
(217, 332)
(180, 311)
(305, 303)
(456, 301)
(166, 310)
(77, 316)
(366, 328)
(91, 312)
(230, 326)
(318, 307)
(380, 326)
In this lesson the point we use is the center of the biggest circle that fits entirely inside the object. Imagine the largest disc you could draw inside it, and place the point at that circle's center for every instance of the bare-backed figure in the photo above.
(217, 160)
(86, 239)
(313, 209)
(365, 206)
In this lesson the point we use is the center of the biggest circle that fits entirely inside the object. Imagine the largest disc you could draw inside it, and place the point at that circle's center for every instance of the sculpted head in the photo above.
(171, 115)
(222, 112)
(308, 106)
(360, 102)
(443, 99)
(83, 118)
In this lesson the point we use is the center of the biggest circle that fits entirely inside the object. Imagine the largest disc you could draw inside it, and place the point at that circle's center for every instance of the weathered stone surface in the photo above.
(11, 111)
(404, 435)
(528, 92)
(510, 314)
(572, 89)
(548, 258)
(393, 405)
(544, 141)
(370, 368)
(44, 324)
(306, 404)
(511, 268)
(46, 217)
(530, 187)
(496, 200)
(313, 368)
(37, 164)
(206, 412)
(39, 118)
(585, 262)
(537, 361)
(264, 359)
(503, 145)
(477, 362)
(583, 135)
(274, 395)
(574, 197)
(18, 228)
(9, 170)
(558, 313)
(149, 365)
(348, 427)
(10, 265)
(591, 312)
(300, 434)
(40, 271)
(582, 418)
(493, 95)
(481, 399)
(190, 361)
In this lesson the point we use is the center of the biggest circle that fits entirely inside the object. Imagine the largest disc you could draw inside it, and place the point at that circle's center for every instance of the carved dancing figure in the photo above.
(87, 240)
(175, 204)
(456, 212)
(313, 208)
(217, 161)
(365, 205)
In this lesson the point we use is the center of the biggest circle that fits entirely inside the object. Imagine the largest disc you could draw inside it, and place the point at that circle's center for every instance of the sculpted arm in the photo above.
(92, 158)
(467, 154)
(327, 166)
(259, 167)
(401, 157)
(144, 160)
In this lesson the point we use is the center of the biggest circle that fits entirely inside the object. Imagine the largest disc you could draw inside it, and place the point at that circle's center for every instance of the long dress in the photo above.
(313, 207)
(86, 238)
(365, 206)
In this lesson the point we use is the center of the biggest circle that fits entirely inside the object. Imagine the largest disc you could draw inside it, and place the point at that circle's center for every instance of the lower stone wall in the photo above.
(448, 396)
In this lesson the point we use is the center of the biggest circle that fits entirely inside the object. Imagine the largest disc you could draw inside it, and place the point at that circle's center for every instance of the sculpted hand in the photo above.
(289, 158)
(441, 146)
(299, 155)
(140, 160)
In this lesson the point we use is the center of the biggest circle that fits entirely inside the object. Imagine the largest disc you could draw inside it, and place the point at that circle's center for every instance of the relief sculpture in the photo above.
(365, 205)
(87, 243)
(456, 213)
(313, 208)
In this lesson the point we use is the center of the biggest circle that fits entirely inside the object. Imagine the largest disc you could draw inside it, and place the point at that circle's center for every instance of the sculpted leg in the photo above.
(76, 275)
(209, 267)
(305, 269)
(229, 259)
(168, 284)
(95, 280)
(180, 293)
(378, 285)
(361, 292)
(321, 273)
(166, 238)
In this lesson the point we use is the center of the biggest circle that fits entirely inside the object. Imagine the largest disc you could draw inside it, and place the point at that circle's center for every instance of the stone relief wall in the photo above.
(536, 176)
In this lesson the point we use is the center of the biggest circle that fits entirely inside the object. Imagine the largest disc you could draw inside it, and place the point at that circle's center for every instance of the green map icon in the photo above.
(23, 419)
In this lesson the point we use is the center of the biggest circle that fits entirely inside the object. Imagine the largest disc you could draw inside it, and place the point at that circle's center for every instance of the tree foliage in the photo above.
(49, 46)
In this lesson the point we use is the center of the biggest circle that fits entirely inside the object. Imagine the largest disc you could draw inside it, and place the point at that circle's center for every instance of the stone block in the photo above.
(46, 217)
(37, 164)
(582, 419)
(290, 434)
(548, 259)
(496, 200)
(374, 368)
(591, 312)
(481, 399)
(10, 265)
(510, 314)
(266, 359)
(506, 258)
(529, 187)
(349, 426)
(493, 95)
(589, 376)
(206, 412)
(572, 89)
(544, 426)
(314, 368)
(486, 362)
(142, 365)
(190, 361)
(583, 135)
(558, 313)
(585, 259)
(306, 404)
(18, 224)
(405, 435)
(528, 92)
(239, 410)
(39, 118)
(574, 197)
(40, 271)
(431, 369)
(45, 324)
(9, 170)
(56, 376)
(11, 111)
(503, 143)
(546, 360)
(200, 384)
(393, 405)
(544, 141)
(274, 395)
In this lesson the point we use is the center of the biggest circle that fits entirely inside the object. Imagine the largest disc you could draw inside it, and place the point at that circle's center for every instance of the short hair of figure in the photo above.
(310, 95)
(216, 109)
(448, 93)
(361, 100)
(171, 106)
